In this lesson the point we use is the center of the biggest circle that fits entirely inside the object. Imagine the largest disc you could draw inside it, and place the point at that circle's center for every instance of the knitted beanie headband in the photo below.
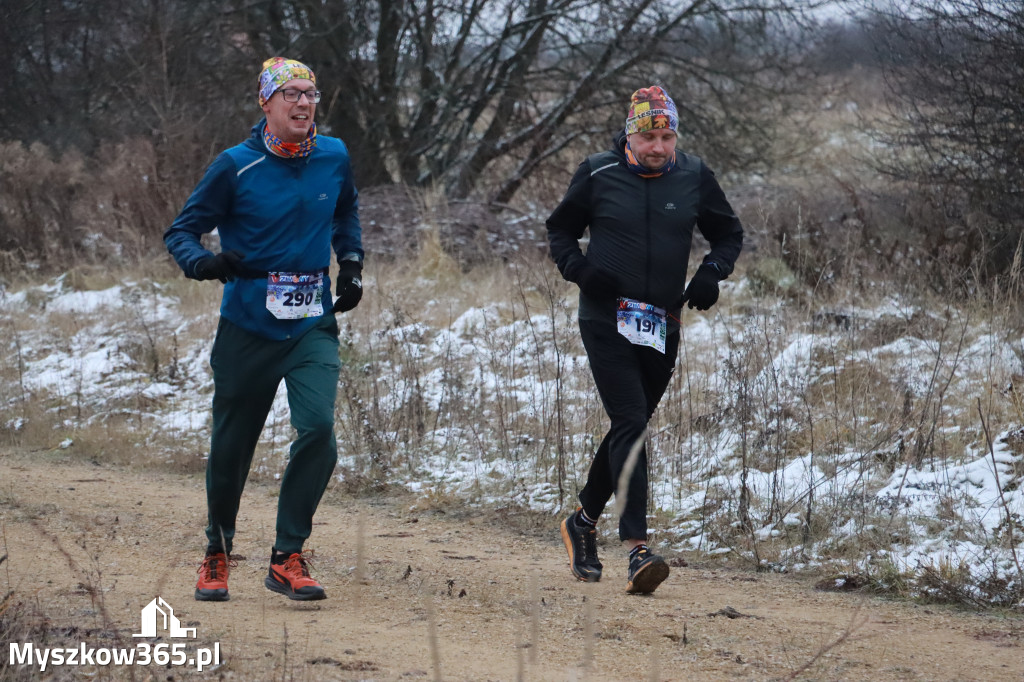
(277, 71)
(651, 108)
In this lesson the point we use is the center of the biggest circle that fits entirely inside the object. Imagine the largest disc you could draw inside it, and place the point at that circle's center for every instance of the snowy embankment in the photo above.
(885, 442)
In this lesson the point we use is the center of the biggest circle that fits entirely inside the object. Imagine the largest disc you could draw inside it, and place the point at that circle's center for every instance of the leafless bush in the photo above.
(63, 210)
(954, 129)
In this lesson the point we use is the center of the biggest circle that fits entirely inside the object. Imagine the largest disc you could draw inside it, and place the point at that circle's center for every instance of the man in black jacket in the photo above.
(641, 201)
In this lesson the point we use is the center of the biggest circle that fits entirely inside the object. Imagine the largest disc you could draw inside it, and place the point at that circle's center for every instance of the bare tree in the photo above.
(477, 95)
(77, 78)
(177, 76)
(956, 80)
(51, 52)
(140, 104)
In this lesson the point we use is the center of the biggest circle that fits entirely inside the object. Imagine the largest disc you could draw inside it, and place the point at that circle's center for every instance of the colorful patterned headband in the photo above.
(277, 71)
(651, 108)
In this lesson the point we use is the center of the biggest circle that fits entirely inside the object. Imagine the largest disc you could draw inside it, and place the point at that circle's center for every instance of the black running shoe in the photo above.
(646, 572)
(581, 543)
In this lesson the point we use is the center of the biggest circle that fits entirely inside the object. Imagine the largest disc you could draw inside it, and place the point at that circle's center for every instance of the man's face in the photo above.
(653, 148)
(290, 121)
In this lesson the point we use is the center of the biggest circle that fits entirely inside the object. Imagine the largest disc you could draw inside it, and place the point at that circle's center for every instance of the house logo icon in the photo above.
(151, 615)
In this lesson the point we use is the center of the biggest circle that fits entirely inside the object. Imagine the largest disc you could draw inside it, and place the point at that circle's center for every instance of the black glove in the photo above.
(224, 266)
(349, 289)
(594, 281)
(702, 291)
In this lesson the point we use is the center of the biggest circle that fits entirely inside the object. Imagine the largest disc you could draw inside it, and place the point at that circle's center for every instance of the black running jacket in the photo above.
(641, 228)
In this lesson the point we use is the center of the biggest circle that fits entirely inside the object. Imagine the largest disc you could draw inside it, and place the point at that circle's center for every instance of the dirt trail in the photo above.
(70, 528)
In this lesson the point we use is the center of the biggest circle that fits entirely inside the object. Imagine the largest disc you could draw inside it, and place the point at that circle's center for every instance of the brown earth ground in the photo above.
(89, 545)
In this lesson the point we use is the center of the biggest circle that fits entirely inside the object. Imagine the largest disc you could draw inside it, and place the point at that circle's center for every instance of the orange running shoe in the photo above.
(292, 578)
(213, 578)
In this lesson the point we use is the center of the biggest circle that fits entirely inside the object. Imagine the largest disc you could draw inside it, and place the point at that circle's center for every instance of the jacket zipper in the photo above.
(647, 222)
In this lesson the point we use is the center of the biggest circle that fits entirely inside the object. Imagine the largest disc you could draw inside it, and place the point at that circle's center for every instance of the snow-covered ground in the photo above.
(851, 441)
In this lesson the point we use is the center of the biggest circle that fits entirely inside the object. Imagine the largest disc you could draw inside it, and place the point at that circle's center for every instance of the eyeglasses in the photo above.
(289, 95)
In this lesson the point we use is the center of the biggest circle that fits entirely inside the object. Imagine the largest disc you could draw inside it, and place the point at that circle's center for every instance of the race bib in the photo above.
(642, 323)
(295, 295)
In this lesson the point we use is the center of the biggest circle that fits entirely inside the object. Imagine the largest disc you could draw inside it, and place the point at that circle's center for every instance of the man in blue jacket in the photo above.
(279, 201)
(641, 201)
